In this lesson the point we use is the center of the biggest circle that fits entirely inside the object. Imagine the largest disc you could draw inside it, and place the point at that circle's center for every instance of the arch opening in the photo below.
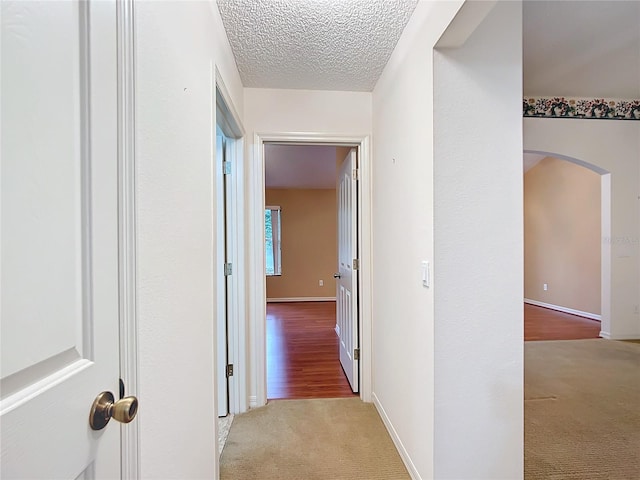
(567, 222)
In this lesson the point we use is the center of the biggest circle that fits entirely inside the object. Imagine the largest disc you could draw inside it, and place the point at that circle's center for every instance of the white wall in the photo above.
(614, 146)
(177, 47)
(480, 373)
(478, 267)
(309, 111)
(403, 337)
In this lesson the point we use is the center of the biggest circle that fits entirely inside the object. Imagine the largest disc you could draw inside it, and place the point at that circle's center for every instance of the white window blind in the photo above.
(273, 264)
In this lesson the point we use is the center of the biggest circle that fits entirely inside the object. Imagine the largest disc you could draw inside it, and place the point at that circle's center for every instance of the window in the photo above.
(272, 241)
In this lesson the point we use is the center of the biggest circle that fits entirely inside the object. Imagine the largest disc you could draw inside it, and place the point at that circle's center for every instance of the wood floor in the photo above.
(546, 324)
(302, 352)
(302, 346)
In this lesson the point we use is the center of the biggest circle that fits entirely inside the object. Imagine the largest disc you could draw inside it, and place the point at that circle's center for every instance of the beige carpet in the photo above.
(320, 439)
(224, 425)
(582, 410)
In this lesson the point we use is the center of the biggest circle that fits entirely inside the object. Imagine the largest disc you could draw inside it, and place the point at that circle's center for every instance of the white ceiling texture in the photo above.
(570, 48)
(313, 44)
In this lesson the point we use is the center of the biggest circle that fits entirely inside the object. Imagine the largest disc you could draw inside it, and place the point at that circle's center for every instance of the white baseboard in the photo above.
(396, 440)
(253, 401)
(608, 336)
(301, 299)
(580, 313)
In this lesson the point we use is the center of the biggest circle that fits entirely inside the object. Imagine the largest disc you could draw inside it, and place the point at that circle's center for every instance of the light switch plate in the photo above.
(426, 274)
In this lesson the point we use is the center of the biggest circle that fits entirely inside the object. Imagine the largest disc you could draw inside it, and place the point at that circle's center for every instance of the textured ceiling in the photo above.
(299, 166)
(571, 48)
(313, 44)
(581, 48)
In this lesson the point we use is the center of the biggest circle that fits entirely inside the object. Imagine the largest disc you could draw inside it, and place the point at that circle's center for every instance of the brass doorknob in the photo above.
(106, 407)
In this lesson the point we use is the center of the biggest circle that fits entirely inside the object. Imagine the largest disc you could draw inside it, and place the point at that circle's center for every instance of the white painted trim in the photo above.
(301, 299)
(580, 313)
(404, 455)
(231, 125)
(229, 122)
(127, 256)
(255, 242)
(237, 325)
(257, 278)
(365, 225)
(608, 336)
(605, 252)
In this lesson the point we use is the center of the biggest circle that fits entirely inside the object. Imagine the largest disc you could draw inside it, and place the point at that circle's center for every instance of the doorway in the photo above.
(228, 268)
(311, 333)
(567, 265)
(257, 283)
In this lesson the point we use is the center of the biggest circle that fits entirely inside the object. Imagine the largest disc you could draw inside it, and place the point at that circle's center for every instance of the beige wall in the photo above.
(562, 235)
(308, 242)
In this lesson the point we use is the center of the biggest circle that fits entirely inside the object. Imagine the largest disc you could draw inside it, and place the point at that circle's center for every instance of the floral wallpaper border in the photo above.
(596, 108)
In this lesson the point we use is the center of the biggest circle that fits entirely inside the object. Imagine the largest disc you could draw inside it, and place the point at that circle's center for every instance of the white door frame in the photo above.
(127, 250)
(229, 122)
(255, 243)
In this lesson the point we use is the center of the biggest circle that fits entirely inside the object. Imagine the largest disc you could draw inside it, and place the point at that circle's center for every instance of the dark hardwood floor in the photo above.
(546, 324)
(302, 346)
(302, 352)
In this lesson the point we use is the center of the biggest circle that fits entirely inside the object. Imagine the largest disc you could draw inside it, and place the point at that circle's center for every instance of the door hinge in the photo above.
(226, 168)
(230, 370)
(356, 264)
(356, 354)
(356, 174)
(228, 269)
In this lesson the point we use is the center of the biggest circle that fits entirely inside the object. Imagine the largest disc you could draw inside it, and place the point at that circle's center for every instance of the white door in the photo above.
(347, 276)
(59, 232)
(221, 255)
(229, 256)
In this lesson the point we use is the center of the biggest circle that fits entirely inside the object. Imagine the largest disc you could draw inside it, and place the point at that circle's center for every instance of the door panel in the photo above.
(347, 284)
(229, 258)
(59, 233)
(221, 255)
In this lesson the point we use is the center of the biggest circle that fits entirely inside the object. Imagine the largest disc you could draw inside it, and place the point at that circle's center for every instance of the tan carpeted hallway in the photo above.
(582, 410)
(318, 439)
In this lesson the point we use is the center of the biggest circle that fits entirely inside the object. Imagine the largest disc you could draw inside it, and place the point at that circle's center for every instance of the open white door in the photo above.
(59, 229)
(222, 274)
(347, 276)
